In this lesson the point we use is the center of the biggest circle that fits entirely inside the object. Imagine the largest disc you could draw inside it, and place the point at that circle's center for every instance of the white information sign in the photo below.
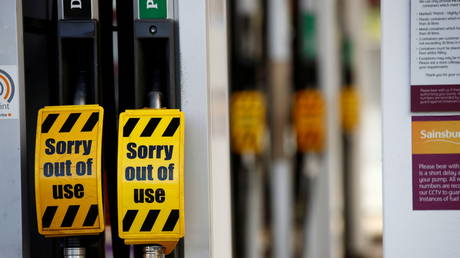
(435, 55)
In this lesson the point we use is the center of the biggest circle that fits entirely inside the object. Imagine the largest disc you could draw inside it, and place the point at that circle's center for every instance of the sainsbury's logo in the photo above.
(440, 136)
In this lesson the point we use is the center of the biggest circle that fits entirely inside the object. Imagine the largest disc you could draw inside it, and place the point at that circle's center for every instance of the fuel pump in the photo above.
(248, 131)
(308, 116)
(78, 51)
(349, 110)
(151, 140)
(349, 104)
(68, 169)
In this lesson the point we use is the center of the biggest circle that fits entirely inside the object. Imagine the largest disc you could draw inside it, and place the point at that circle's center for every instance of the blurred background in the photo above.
(305, 128)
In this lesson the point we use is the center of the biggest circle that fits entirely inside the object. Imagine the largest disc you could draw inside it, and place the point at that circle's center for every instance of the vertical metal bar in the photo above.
(60, 9)
(12, 145)
(108, 100)
(126, 100)
(254, 207)
(171, 12)
(312, 168)
(204, 99)
(326, 217)
(282, 208)
(281, 176)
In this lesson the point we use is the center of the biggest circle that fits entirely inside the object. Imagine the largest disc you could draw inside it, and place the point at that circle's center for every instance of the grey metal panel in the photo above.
(221, 230)
(325, 234)
(11, 136)
(204, 99)
(8, 29)
(194, 102)
(10, 189)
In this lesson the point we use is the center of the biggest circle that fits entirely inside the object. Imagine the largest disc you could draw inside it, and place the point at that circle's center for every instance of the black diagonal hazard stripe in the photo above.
(49, 122)
(172, 127)
(150, 127)
(91, 123)
(70, 216)
(171, 221)
(129, 126)
(91, 216)
(150, 220)
(48, 216)
(128, 219)
(70, 122)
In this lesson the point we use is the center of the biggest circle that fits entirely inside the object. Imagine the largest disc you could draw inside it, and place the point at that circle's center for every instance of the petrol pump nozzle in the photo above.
(74, 252)
(154, 99)
(154, 251)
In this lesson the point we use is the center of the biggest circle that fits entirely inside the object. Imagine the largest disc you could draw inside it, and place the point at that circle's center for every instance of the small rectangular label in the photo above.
(435, 56)
(436, 163)
(77, 9)
(153, 9)
(9, 92)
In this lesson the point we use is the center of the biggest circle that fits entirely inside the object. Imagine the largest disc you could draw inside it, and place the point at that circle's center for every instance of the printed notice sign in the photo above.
(151, 176)
(436, 163)
(435, 55)
(68, 188)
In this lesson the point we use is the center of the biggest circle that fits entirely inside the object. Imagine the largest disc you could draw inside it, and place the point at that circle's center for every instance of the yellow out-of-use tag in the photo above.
(68, 175)
(309, 120)
(151, 176)
(248, 121)
(349, 109)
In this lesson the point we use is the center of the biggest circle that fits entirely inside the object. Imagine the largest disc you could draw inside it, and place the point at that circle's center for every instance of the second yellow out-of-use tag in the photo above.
(248, 121)
(151, 177)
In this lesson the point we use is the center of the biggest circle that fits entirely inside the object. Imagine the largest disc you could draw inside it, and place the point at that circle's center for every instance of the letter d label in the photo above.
(75, 4)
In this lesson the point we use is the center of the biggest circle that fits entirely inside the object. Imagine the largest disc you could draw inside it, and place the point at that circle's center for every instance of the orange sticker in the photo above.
(309, 120)
(349, 109)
